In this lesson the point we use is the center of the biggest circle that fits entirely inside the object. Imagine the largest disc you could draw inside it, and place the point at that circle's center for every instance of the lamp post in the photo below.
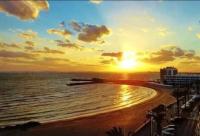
(177, 100)
(156, 117)
(152, 116)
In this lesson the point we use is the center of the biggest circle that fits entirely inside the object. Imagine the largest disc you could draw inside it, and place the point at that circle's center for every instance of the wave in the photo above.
(32, 99)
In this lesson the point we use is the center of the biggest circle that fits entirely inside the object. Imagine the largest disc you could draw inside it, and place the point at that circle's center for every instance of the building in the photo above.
(170, 76)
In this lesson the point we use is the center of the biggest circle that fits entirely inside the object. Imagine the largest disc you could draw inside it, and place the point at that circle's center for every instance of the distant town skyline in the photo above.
(99, 35)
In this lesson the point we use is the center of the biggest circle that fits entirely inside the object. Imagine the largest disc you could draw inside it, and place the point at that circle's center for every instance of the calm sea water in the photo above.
(45, 97)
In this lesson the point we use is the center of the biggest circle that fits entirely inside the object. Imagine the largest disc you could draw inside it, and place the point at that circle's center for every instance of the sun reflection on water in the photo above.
(130, 95)
(125, 95)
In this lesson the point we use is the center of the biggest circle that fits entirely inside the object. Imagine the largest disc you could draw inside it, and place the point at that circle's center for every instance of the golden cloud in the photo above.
(13, 54)
(92, 33)
(170, 53)
(52, 51)
(63, 33)
(56, 59)
(24, 9)
(29, 34)
(30, 43)
(67, 44)
(29, 48)
(108, 61)
(76, 26)
(117, 55)
(89, 33)
(9, 45)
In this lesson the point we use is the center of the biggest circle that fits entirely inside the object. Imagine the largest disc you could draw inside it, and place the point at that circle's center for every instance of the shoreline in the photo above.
(102, 112)
(85, 115)
(129, 118)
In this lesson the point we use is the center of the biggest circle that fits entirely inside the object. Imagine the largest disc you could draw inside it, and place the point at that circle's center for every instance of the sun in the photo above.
(128, 60)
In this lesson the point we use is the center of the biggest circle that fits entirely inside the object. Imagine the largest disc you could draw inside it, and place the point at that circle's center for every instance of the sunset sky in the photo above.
(99, 36)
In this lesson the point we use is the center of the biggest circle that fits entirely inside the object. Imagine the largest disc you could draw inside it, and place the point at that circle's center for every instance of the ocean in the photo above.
(45, 97)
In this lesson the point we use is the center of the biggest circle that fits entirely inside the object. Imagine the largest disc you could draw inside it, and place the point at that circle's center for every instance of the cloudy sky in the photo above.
(99, 35)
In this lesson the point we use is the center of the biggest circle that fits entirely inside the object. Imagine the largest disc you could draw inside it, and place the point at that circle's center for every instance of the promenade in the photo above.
(188, 126)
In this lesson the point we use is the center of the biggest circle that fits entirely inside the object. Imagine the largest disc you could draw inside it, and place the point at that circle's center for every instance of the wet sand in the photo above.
(129, 119)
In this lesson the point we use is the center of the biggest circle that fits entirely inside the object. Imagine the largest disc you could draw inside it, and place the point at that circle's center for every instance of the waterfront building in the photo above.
(171, 76)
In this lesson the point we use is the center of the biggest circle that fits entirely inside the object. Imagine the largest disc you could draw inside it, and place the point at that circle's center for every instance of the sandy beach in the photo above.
(129, 119)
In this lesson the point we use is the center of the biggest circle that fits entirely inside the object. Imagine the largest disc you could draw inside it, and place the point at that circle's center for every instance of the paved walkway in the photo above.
(186, 128)
(190, 126)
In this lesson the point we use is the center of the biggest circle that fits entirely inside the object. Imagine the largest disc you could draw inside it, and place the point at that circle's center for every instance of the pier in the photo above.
(77, 81)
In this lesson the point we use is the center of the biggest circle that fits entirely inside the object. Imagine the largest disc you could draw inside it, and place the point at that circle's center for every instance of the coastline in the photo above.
(130, 119)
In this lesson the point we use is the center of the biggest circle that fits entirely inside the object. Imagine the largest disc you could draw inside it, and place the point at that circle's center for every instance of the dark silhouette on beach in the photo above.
(22, 127)
(118, 132)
